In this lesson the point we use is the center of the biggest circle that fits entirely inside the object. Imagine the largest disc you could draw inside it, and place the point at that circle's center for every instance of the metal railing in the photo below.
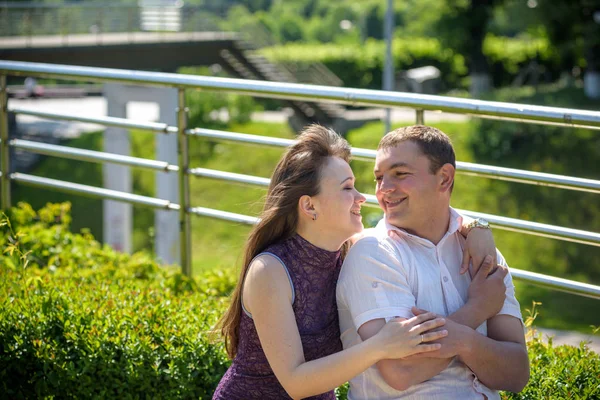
(29, 19)
(482, 109)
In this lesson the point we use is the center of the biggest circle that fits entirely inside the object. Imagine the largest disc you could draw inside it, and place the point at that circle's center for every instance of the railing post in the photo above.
(420, 117)
(184, 185)
(4, 148)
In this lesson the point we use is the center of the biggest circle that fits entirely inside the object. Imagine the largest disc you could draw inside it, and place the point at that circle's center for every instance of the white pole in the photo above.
(166, 223)
(117, 216)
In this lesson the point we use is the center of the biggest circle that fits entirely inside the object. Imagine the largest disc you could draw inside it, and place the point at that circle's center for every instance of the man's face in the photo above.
(406, 189)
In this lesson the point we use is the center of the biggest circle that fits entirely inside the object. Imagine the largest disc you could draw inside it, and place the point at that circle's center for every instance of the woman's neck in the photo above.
(320, 238)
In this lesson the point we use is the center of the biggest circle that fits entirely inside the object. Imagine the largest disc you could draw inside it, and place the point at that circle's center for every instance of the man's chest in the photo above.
(434, 277)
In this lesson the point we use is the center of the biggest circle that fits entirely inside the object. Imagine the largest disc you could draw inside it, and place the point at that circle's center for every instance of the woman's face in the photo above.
(338, 203)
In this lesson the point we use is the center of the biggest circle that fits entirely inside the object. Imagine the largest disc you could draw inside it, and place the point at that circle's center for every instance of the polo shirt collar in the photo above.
(453, 227)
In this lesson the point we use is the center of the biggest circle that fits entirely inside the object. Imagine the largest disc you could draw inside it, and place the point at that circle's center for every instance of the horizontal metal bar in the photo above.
(554, 283)
(480, 170)
(534, 228)
(35, 6)
(106, 121)
(519, 225)
(547, 281)
(487, 171)
(228, 216)
(529, 177)
(90, 155)
(92, 191)
(293, 91)
(240, 137)
(229, 176)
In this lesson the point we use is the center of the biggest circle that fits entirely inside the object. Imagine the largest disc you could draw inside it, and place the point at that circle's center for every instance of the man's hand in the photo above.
(487, 290)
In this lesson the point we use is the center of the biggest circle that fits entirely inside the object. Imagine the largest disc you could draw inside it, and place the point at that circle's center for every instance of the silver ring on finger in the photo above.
(421, 341)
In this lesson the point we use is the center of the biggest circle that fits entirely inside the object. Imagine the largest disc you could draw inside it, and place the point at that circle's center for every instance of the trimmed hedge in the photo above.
(82, 321)
(363, 66)
(561, 372)
(79, 320)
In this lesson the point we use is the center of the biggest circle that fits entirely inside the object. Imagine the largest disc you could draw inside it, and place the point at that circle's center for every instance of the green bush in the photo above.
(110, 325)
(560, 372)
(96, 323)
(364, 68)
(507, 55)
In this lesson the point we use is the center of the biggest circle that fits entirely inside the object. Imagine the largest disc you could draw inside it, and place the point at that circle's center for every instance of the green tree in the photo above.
(574, 28)
(463, 28)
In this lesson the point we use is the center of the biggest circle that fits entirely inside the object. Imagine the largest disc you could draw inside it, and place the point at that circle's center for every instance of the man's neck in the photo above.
(433, 227)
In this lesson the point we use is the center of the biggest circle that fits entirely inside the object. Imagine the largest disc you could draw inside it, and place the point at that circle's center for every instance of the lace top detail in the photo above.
(314, 273)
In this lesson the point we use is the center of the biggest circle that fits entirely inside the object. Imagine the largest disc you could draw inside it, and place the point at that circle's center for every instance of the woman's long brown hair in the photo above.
(297, 174)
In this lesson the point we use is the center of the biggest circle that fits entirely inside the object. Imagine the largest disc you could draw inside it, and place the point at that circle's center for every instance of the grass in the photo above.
(218, 244)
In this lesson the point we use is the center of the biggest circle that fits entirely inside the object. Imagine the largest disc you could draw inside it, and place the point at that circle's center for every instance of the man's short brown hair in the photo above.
(434, 144)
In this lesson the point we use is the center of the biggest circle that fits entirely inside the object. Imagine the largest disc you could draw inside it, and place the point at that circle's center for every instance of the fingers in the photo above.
(464, 267)
(429, 325)
(419, 319)
(430, 337)
(501, 271)
(418, 311)
(426, 348)
(484, 269)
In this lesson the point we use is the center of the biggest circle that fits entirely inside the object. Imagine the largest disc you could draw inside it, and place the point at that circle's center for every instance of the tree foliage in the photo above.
(573, 30)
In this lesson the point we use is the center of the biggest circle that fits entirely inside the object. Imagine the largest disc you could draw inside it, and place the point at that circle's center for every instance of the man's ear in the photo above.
(446, 177)
(306, 206)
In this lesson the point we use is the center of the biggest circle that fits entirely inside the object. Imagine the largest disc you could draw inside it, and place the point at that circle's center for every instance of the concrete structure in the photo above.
(133, 50)
(118, 218)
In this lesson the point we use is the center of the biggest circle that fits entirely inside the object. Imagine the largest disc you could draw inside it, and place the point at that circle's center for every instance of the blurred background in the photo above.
(537, 52)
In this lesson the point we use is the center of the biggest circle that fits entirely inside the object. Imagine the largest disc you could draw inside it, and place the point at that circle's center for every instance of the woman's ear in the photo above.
(446, 176)
(306, 207)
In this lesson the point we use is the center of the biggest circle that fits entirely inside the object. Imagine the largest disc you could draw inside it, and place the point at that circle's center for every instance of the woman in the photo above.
(281, 329)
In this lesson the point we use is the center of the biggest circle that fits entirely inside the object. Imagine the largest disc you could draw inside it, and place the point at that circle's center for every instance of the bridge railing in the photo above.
(30, 19)
(35, 24)
(477, 108)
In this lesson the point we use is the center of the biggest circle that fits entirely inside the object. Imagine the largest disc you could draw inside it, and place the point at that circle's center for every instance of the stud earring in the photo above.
(314, 217)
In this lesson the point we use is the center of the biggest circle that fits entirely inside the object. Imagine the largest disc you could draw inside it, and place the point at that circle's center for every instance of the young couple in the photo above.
(399, 313)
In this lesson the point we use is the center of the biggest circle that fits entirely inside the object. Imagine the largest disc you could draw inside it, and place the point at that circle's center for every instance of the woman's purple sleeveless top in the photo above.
(313, 273)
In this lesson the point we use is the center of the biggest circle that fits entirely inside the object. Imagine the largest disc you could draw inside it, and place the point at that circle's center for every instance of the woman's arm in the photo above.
(267, 295)
(479, 243)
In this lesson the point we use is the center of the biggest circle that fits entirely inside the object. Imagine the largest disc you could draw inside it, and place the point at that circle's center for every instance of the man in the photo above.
(411, 261)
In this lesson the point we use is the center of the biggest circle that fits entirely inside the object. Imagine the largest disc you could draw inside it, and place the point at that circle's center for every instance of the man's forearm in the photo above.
(403, 373)
(414, 370)
(469, 315)
(499, 365)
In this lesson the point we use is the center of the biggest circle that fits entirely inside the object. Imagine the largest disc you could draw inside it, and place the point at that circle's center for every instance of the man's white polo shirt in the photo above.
(389, 271)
